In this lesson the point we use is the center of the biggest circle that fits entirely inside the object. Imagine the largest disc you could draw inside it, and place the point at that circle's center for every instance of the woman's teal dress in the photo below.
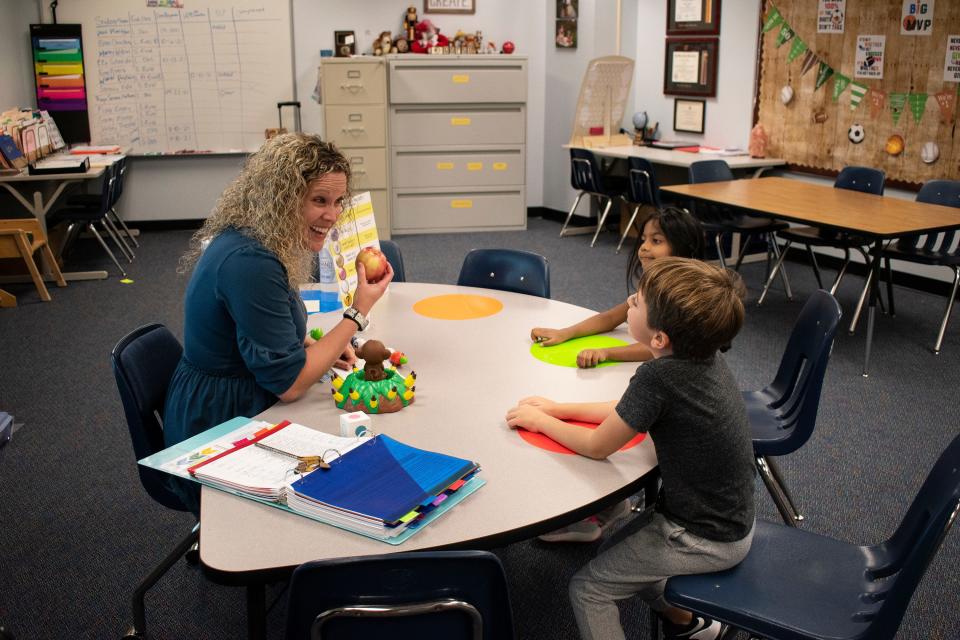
(243, 341)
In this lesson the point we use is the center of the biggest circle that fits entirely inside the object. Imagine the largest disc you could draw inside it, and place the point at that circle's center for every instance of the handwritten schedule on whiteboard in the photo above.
(196, 79)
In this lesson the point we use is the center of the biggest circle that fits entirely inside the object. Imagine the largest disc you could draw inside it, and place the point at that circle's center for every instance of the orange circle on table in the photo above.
(549, 444)
(458, 306)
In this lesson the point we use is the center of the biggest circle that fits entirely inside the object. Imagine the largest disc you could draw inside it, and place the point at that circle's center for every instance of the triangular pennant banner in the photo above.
(773, 19)
(823, 72)
(877, 100)
(785, 34)
(798, 47)
(918, 102)
(809, 59)
(897, 102)
(840, 83)
(947, 101)
(857, 91)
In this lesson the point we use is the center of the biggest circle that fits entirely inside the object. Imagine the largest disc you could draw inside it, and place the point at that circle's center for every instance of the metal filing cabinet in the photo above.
(457, 143)
(355, 119)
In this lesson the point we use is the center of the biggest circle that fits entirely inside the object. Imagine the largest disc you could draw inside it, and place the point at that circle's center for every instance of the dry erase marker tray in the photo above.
(67, 165)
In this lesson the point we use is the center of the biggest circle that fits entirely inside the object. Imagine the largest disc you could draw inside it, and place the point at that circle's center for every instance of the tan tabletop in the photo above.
(822, 205)
(674, 158)
(469, 373)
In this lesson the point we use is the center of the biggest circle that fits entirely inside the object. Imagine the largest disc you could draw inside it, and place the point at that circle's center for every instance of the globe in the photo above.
(640, 120)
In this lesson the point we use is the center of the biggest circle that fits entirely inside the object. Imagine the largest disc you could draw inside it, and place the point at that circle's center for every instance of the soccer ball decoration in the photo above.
(856, 133)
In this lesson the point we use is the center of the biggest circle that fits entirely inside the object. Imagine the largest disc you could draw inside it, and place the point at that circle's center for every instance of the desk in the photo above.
(529, 491)
(674, 158)
(877, 217)
(46, 190)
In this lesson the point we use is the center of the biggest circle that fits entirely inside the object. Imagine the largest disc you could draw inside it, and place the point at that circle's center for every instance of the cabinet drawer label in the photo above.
(461, 204)
(444, 166)
(474, 166)
(460, 122)
(461, 78)
(499, 166)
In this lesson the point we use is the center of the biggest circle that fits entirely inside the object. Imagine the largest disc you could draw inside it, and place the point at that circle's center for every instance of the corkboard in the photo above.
(912, 64)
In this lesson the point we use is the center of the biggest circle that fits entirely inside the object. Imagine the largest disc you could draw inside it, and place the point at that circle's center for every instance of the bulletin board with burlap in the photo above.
(855, 82)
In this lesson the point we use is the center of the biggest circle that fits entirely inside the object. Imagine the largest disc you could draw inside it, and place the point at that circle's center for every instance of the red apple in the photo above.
(374, 263)
(507, 47)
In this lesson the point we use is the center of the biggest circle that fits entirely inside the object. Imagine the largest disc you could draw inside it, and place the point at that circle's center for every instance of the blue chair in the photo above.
(932, 249)
(119, 172)
(436, 594)
(862, 179)
(720, 220)
(395, 258)
(798, 585)
(782, 414)
(587, 178)
(143, 363)
(643, 190)
(506, 270)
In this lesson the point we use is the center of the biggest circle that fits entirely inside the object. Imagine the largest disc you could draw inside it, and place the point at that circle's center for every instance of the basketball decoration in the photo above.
(894, 145)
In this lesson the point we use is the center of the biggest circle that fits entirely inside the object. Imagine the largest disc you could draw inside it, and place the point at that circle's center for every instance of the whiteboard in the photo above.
(204, 78)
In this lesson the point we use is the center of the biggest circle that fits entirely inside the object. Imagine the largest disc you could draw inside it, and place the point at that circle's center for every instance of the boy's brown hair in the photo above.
(699, 306)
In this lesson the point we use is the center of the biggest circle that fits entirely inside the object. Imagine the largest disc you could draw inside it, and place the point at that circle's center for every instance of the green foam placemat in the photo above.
(565, 354)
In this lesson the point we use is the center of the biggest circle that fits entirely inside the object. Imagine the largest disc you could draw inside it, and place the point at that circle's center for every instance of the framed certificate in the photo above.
(693, 17)
(691, 67)
(689, 115)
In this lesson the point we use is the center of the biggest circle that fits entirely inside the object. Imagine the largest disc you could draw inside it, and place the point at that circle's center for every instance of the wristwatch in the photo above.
(357, 317)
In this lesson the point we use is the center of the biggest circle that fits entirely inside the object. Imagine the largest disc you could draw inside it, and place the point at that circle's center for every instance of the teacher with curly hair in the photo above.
(245, 336)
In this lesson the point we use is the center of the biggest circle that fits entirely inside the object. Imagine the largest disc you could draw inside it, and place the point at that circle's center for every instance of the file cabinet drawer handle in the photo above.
(354, 130)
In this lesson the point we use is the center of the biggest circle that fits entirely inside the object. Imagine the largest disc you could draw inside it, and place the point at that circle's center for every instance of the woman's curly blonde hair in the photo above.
(266, 201)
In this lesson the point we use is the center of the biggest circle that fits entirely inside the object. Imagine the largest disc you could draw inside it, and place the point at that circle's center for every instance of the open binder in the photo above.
(375, 486)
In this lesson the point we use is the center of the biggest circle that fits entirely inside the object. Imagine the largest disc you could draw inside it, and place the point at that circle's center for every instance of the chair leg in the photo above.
(783, 269)
(654, 625)
(890, 288)
(860, 301)
(27, 254)
(773, 272)
(117, 239)
(603, 218)
(723, 260)
(629, 226)
(745, 242)
(771, 478)
(843, 270)
(139, 609)
(92, 229)
(816, 267)
(946, 316)
(116, 216)
(866, 261)
(570, 215)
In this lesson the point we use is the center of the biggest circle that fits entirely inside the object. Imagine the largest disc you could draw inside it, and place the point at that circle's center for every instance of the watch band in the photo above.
(355, 315)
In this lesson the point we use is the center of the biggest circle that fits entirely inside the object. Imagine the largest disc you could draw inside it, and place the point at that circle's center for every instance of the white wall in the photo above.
(16, 87)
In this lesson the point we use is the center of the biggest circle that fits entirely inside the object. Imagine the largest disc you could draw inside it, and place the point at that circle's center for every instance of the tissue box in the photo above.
(354, 424)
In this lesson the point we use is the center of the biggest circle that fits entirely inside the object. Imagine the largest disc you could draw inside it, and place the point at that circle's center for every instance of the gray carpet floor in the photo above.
(78, 532)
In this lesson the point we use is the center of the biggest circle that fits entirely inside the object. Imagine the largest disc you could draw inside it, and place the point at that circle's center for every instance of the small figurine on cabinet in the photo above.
(410, 23)
(758, 141)
(402, 45)
(383, 44)
(428, 37)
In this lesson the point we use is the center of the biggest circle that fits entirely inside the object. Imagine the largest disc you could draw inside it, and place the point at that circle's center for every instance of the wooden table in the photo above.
(674, 158)
(877, 217)
(470, 372)
(46, 190)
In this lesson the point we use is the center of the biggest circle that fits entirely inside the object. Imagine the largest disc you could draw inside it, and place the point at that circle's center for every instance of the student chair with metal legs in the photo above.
(863, 179)
(588, 179)
(782, 415)
(143, 363)
(395, 258)
(719, 220)
(643, 190)
(935, 249)
(433, 594)
(799, 585)
(506, 270)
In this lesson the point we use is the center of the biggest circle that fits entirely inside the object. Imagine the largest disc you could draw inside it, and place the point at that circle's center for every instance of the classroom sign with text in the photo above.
(916, 18)
(830, 16)
(951, 64)
(869, 61)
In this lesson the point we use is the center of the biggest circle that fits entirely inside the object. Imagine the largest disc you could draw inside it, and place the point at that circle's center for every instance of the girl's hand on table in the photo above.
(346, 359)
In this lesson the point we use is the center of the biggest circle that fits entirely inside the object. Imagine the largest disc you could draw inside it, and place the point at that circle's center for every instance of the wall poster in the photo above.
(830, 16)
(869, 60)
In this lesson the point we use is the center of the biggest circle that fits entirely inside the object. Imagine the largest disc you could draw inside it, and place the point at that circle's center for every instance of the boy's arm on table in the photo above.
(635, 352)
(597, 443)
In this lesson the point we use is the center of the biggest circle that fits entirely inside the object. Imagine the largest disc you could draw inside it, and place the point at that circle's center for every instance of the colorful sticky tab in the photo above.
(440, 498)
(456, 485)
(410, 516)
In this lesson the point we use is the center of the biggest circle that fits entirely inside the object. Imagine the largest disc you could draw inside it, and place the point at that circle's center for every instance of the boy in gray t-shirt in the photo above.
(687, 400)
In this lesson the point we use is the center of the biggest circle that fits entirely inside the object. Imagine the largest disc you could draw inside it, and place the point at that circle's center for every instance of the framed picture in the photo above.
(449, 6)
(691, 67)
(693, 17)
(345, 43)
(565, 35)
(568, 9)
(689, 115)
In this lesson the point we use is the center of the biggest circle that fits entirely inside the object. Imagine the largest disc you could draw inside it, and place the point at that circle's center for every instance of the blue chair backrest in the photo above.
(506, 270)
(473, 577)
(643, 182)
(585, 174)
(898, 564)
(107, 188)
(796, 387)
(395, 258)
(121, 174)
(942, 192)
(709, 171)
(863, 179)
(143, 363)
